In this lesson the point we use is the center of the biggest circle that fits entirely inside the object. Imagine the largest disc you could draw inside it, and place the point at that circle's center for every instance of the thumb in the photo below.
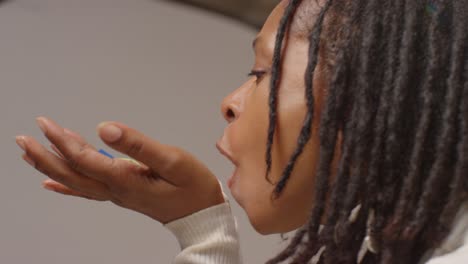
(159, 157)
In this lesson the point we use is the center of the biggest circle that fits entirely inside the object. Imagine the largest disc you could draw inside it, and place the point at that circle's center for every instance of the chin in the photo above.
(267, 224)
(264, 224)
(236, 196)
(262, 229)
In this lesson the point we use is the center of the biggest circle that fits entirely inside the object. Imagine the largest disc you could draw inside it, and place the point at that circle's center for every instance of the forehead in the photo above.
(303, 20)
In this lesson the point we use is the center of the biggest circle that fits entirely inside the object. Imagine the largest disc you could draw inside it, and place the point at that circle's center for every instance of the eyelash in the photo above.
(257, 74)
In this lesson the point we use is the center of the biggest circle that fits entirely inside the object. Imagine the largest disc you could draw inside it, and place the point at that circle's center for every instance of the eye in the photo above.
(257, 74)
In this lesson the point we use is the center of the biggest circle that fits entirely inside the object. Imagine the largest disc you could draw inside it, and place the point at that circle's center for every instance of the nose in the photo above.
(230, 108)
(233, 104)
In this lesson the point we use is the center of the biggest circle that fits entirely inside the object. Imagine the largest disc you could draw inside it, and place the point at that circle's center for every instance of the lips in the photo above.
(225, 152)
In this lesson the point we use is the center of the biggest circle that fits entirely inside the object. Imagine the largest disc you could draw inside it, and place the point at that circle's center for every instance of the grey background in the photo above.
(153, 65)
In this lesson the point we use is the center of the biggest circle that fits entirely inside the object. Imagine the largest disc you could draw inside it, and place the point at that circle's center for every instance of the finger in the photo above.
(63, 140)
(56, 168)
(84, 159)
(78, 138)
(163, 159)
(57, 151)
(28, 160)
(60, 188)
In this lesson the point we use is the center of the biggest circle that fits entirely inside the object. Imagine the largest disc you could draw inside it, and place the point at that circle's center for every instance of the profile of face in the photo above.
(244, 141)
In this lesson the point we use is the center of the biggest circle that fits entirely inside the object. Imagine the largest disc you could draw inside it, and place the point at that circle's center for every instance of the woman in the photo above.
(363, 106)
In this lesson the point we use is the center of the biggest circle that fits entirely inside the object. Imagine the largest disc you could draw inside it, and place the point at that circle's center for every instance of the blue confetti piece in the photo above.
(105, 153)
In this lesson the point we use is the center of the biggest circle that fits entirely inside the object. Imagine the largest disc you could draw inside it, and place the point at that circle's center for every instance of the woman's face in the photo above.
(245, 138)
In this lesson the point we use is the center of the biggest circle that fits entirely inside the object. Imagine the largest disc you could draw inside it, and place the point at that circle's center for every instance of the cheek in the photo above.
(252, 190)
(249, 138)
(250, 130)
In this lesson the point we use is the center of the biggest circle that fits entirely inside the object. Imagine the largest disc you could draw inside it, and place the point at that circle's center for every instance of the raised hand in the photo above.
(168, 184)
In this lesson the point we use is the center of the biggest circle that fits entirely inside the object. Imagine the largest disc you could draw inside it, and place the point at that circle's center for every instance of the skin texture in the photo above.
(246, 110)
(168, 182)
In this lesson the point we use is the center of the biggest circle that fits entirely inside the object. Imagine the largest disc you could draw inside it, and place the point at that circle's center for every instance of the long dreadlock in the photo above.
(398, 91)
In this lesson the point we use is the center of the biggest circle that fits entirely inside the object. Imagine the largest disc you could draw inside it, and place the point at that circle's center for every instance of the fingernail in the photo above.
(20, 141)
(132, 161)
(109, 132)
(42, 123)
(29, 160)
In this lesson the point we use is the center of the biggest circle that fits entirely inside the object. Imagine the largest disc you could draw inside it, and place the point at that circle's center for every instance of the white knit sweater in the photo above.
(210, 237)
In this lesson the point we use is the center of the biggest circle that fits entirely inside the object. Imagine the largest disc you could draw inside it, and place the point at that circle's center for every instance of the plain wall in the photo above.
(158, 67)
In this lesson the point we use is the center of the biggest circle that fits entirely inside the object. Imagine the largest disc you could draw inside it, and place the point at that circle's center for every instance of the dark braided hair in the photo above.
(398, 93)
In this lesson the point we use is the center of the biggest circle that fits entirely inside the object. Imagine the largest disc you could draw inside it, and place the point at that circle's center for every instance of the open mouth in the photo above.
(225, 153)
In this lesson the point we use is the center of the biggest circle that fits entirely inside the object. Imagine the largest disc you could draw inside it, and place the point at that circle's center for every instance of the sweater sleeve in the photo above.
(454, 250)
(207, 237)
(459, 256)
